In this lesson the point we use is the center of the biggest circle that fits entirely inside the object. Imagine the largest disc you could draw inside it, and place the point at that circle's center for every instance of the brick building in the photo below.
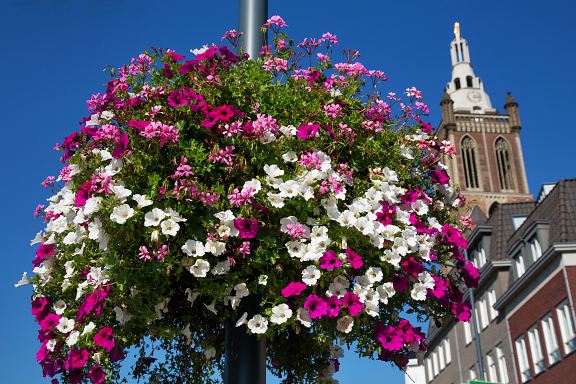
(523, 310)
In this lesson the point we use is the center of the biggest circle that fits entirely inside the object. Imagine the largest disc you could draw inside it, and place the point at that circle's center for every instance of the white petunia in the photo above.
(122, 315)
(23, 280)
(154, 217)
(121, 192)
(290, 157)
(221, 268)
(141, 200)
(242, 320)
(59, 307)
(89, 328)
(199, 51)
(391, 257)
(215, 247)
(210, 353)
(263, 279)
(275, 199)
(193, 248)
(280, 314)
(191, 296)
(72, 338)
(345, 324)
(258, 324)
(303, 317)
(161, 308)
(170, 227)
(200, 268)
(386, 291)
(107, 115)
(37, 239)
(121, 213)
(114, 167)
(296, 248)
(311, 275)
(65, 325)
(254, 185)
(51, 344)
(288, 130)
(290, 188)
(241, 290)
(187, 333)
(418, 291)
(94, 120)
(420, 207)
(273, 170)
(374, 274)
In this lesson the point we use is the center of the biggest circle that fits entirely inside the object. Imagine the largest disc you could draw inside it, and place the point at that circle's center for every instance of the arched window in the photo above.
(471, 176)
(469, 81)
(457, 83)
(504, 164)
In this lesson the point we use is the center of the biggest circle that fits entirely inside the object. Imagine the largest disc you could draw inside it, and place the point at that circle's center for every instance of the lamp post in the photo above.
(245, 354)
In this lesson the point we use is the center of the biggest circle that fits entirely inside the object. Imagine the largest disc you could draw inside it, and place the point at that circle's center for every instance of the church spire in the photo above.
(465, 88)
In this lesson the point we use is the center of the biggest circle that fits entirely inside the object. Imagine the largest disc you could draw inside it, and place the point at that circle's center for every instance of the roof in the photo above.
(503, 227)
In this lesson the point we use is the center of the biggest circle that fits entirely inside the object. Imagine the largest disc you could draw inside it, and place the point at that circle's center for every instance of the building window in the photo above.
(469, 81)
(429, 372)
(479, 256)
(519, 263)
(502, 368)
(536, 349)
(457, 83)
(522, 356)
(550, 340)
(469, 160)
(472, 373)
(566, 327)
(491, 367)
(448, 351)
(504, 164)
(535, 248)
(491, 302)
(482, 314)
(441, 357)
(435, 363)
(467, 332)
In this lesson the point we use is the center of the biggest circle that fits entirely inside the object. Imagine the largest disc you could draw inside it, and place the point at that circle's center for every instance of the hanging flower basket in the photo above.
(193, 184)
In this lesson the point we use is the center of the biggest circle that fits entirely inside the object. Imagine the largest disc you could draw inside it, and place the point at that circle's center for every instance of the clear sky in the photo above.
(53, 53)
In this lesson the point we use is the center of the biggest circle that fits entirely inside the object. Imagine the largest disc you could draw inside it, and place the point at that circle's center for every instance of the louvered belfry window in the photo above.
(504, 164)
(469, 160)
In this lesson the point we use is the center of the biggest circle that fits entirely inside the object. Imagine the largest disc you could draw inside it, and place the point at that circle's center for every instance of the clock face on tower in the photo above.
(474, 96)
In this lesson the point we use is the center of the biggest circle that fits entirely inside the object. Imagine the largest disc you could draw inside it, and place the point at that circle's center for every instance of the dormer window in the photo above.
(469, 81)
(535, 248)
(519, 264)
(457, 83)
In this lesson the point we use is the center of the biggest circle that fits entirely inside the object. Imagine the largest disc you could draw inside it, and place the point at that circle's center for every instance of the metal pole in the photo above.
(253, 14)
(475, 325)
(245, 355)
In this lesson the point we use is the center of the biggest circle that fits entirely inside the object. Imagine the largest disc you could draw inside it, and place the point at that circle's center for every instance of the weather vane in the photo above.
(457, 30)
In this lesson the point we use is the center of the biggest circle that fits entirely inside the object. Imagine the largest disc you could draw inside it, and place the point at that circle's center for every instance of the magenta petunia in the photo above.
(330, 260)
(354, 259)
(121, 147)
(307, 131)
(43, 251)
(389, 337)
(454, 236)
(97, 374)
(39, 307)
(50, 321)
(353, 303)
(400, 282)
(333, 306)
(248, 228)
(316, 306)
(294, 288)
(105, 338)
(76, 359)
(83, 194)
(470, 274)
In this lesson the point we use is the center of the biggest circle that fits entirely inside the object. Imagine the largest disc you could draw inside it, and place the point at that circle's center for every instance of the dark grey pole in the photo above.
(475, 326)
(245, 355)
(253, 14)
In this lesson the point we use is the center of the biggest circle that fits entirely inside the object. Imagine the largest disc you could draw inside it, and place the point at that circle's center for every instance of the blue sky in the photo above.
(53, 53)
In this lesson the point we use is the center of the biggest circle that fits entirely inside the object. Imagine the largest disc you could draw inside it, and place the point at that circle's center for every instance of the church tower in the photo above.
(488, 166)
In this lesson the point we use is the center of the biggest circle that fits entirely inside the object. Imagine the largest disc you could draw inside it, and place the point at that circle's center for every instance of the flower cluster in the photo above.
(194, 185)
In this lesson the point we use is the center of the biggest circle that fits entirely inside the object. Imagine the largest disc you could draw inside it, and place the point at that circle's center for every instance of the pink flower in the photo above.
(83, 194)
(105, 338)
(470, 274)
(332, 110)
(247, 227)
(43, 251)
(389, 337)
(144, 254)
(330, 260)
(39, 304)
(50, 321)
(353, 303)
(466, 222)
(454, 236)
(400, 282)
(48, 181)
(440, 176)
(333, 306)
(97, 374)
(77, 358)
(275, 21)
(354, 259)
(462, 311)
(294, 288)
(307, 131)
(316, 306)
(39, 209)
(121, 146)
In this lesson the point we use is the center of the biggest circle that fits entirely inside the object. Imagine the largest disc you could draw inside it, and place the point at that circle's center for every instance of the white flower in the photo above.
(114, 167)
(364, 225)
(192, 295)
(215, 247)
(107, 115)
(97, 357)
(121, 213)
(267, 138)
(391, 257)
(374, 274)
(221, 268)
(280, 314)
(345, 324)
(418, 291)
(210, 353)
(37, 239)
(303, 317)
(51, 344)
(94, 120)
(290, 188)
(141, 200)
(427, 280)
(65, 325)
(385, 291)
(242, 319)
(290, 157)
(121, 192)
(187, 334)
(275, 199)
(273, 170)
(59, 307)
(200, 268)
(420, 207)
(212, 307)
(122, 315)
(170, 227)
(258, 324)
(72, 338)
(347, 218)
(199, 51)
(254, 185)
(296, 248)
(288, 130)
(241, 290)
(23, 280)
(263, 279)
(193, 248)
(161, 307)
(311, 275)
(154, 217)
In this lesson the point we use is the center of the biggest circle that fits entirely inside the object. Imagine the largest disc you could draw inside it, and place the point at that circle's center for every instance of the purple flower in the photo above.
(389, 337)
(316, 307)
(247, 227)
(97, 374)
(330, 260)
(294, 288)
(105, 338)
(307, 131)
(353, 303)
(116, 355)
(440, 176)
(400, 282)
(76, 359)
(39, 305)
(354, 259)
(121, 146)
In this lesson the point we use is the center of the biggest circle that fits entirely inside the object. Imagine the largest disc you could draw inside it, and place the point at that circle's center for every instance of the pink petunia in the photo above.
(389, 337)
(105, 338)
(354, 259)
(353, 303)
(330, 260)
(316, 307)
(294, 288)
(307, 131)
(248, 228)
